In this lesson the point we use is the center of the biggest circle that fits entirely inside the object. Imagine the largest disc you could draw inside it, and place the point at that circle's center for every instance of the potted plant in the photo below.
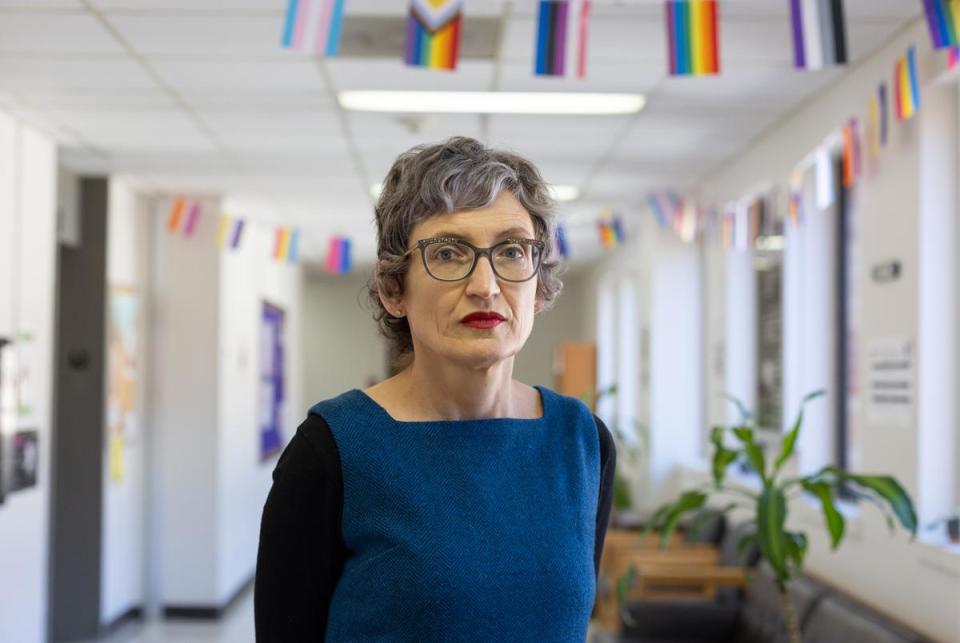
(782, 549)
(628, 448)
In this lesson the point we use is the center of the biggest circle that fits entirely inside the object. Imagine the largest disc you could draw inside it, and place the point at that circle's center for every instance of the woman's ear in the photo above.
(389, 291)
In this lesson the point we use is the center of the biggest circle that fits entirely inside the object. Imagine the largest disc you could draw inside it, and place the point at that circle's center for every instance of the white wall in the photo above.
(664, 275)
(28, 177)
(676, 343)
(122, 558)
(342, 349)
(876, 567)
(247, 277)
(183, 390)
(204, 397)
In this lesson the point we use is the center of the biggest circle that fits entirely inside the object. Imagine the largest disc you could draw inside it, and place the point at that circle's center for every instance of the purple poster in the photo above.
(271, 380)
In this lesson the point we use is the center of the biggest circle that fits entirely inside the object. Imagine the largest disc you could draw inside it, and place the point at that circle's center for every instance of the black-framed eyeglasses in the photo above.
(451, 259)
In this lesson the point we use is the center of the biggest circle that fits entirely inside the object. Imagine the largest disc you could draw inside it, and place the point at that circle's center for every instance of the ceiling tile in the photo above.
(394, 75)
(202, 34)
(297, 75)
(74, 32)
(71, 75)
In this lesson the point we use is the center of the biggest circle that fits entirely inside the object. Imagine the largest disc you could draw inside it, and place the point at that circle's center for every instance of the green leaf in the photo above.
(744, 413)
(624, 583)
(833, 518)
(771, 516)
(705, 515)
(722, 456)
(796, 548)
(753, 450)
(889, 490)
(689, 501)
(790, 441)
(655, 521)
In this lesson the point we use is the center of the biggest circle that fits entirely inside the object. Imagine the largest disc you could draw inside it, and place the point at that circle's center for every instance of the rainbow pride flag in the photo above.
(175, 218)
(943, 18)
(338, 255)
(906, 85)
(230, 232)
(610, 228)
(183, 217)
(433, 33)
(953, 57)
(819, 33)
(313, 26)
(285, 244)
(692, 37)
(558, 48)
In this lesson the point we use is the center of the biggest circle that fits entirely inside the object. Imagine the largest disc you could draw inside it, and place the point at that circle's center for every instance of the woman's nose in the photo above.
(483, 282)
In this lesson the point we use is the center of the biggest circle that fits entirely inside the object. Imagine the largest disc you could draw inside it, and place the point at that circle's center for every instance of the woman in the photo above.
(450, 502)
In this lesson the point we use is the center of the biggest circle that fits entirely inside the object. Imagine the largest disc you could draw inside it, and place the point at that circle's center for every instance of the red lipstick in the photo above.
(482, 320)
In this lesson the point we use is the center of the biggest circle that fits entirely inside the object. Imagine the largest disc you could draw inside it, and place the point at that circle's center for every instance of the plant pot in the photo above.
(953, 530)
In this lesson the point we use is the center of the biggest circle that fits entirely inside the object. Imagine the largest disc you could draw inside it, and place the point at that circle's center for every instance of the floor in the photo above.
(235, 627)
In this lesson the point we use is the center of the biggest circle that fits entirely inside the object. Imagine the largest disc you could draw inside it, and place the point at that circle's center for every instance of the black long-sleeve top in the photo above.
(301, 553)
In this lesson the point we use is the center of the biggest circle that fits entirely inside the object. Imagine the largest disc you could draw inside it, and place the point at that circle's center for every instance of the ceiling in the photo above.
(198, 95)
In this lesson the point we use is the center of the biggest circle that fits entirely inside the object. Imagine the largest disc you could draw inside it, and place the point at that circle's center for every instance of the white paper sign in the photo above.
(890, 394)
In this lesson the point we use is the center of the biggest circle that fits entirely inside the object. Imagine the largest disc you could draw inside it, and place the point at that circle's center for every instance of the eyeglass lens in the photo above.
(513, 261)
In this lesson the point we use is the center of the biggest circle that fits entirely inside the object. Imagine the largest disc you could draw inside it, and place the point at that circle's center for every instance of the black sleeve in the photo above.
(608, 465)
(301, 553)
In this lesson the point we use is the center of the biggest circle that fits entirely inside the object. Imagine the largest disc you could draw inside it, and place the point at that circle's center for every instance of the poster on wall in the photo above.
(271, 379)
(122, 376)
(890, 370)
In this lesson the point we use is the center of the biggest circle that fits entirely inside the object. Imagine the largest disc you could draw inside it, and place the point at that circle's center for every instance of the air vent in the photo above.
(384, 37)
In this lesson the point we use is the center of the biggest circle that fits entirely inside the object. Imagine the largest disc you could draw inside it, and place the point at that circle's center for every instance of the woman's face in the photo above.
(434, 308)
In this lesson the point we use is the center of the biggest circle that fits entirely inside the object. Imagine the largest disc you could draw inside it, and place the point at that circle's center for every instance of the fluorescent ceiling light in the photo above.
(564, 192)
(558, 192)
(490, 102)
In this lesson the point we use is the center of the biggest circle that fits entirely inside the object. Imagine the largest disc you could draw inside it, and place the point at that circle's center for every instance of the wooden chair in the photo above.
(623, 548)
(682, 572)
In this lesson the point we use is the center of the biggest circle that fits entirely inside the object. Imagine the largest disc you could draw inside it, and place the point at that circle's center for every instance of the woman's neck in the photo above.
(427, 391)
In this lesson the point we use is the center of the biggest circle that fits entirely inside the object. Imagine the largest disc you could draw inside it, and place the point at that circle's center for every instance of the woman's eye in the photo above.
(447, 253)
(512, 252)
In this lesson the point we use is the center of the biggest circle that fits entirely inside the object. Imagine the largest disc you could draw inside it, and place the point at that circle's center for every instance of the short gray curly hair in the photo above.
(457, 174)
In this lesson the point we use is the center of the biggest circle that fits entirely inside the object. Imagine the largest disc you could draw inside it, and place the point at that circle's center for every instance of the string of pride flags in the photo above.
(434, 29)
(185, 214)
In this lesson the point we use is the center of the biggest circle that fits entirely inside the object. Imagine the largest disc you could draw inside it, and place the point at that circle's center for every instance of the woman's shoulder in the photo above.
(566, 403)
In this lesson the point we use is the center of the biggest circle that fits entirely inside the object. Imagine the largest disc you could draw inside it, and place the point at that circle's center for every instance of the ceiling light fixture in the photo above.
(491, 102)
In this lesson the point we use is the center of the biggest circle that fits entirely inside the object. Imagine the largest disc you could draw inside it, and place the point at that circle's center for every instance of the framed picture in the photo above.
(272, 384)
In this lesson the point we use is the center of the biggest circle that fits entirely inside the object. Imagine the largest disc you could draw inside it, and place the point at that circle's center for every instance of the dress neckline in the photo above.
(544, 402)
